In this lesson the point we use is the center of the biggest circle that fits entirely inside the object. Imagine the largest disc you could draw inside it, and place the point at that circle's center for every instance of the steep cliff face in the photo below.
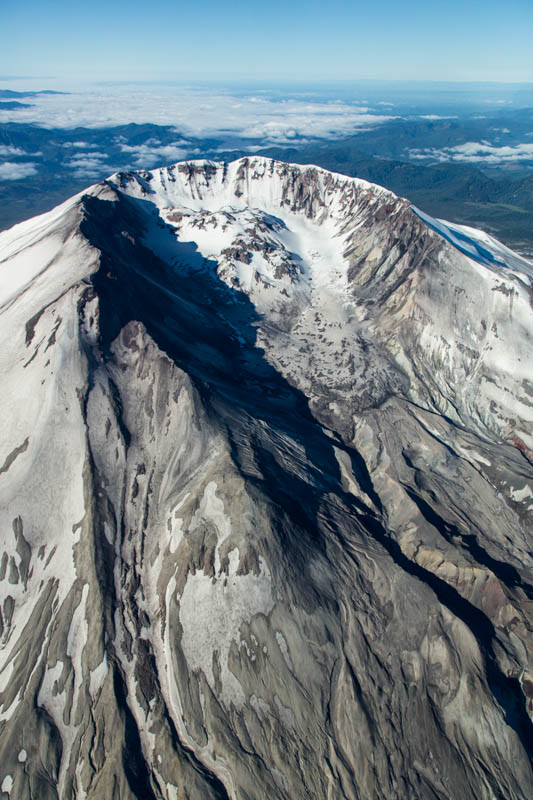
(266, 491)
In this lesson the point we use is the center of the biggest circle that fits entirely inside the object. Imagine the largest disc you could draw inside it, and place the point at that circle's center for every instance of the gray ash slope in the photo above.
(266, 488)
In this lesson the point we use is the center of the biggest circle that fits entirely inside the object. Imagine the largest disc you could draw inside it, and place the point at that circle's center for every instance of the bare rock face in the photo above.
(266, 491)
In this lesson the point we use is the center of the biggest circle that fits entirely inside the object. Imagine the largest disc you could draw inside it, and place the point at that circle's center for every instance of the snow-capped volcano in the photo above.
(266, 489)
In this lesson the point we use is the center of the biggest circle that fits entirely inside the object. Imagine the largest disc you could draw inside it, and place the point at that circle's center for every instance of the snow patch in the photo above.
(521, 494)
(211, 509)
(211, 614)
(98, 676)
(284, 650)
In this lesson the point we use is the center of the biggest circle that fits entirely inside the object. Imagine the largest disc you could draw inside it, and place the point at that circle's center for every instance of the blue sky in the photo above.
(209, 39)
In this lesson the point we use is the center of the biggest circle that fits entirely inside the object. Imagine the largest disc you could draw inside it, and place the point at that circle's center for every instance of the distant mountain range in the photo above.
(9, 105)
(9, 93)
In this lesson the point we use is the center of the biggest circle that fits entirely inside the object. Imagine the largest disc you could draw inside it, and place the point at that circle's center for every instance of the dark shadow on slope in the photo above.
(205, 327)
(209, 330)
(135, 769)
(506, 573)
(504, 688)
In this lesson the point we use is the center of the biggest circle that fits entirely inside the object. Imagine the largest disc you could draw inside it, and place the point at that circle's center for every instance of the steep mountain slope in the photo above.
(266, 491)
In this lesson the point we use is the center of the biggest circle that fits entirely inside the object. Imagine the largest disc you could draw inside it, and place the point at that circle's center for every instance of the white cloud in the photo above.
(16, 152)
(9, 150)
(10, 171)
(195, 111)
(476, 153)
(100, 156)
(435, 116)
(80, 145)
(153, 152)
(282, 122)
(87, 165)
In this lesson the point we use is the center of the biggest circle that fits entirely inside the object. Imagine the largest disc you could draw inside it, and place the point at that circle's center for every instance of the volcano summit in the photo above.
(266, 490)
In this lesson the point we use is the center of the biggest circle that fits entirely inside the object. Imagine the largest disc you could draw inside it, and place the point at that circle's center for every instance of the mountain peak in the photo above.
(266, 494)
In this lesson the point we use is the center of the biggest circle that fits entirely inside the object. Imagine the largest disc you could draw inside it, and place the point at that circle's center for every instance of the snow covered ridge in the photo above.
(302, 240)
(210, 177)
(266, 445)
(479, 245)
(243, 183)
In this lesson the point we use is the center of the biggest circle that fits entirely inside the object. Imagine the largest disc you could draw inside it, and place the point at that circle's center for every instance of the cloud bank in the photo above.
(9, 150)
(79, 145)
(199, 112)
(153, 152)
(11, 171)
(477, 153)
(87, 165)
(16, 152)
